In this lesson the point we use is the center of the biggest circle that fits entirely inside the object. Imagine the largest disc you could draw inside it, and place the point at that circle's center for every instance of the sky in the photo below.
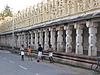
(17, 5)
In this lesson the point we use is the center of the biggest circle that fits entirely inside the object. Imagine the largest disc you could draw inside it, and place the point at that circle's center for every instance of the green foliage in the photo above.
(7, 11)
(1, 16)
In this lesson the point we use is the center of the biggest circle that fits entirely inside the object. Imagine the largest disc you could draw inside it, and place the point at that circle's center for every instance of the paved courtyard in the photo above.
(10, 64)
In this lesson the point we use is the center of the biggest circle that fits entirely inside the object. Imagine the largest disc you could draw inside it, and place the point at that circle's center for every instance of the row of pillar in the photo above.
(36, 37)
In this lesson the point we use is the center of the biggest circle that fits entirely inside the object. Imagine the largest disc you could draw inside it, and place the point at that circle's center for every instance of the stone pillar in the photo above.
(46, 41)
(15, 40)
(25, 45)
(53, 39)
(21, 39)
(60, 39)
(36, 40)
(10, 40)
(92, 51)
(79, 38)
(68, 38)
(7, 40)
(18, 42)
(24, 39)
(4, 40)
(31, 33)
(41, 37)
(28, 38)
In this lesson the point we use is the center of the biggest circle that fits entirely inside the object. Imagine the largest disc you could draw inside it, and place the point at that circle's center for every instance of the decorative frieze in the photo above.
(48, 11)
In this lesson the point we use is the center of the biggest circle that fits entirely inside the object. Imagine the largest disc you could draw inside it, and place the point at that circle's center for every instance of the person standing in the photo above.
(29, 53)
(40, 51)
(22, 52)
(50, 54)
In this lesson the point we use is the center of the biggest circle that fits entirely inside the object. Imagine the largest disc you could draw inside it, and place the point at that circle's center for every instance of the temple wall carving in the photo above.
(46, 11)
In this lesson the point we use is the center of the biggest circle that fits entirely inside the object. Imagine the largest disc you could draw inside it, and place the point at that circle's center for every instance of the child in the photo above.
(30, 53)
(22, 52)
(22, 55)
(50, 54)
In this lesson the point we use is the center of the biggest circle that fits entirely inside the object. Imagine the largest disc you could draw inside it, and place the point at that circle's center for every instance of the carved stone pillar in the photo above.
(52, 39)
(4, 40)
(21, 39)
(28, 39)
(46, 43)
(7, 40)
(41, 38)
(92, 51)
(68, 38)
(10, 40)
(60, 39)
(31, 34)
(36, 40)
(79, 38)
(24, 39)
(18, 42)
(15, 40)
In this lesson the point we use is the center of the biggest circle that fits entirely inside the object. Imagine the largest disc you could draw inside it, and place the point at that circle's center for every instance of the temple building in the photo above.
(70, 26)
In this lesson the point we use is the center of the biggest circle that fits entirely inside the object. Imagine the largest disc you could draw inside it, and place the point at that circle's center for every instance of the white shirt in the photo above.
(22, 52)
(50, 54)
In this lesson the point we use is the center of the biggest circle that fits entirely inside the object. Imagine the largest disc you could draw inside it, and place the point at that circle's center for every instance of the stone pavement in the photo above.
(10, 64)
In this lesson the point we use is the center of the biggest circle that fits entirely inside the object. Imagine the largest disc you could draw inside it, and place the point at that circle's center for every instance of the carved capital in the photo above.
(60, 28)
(78, 26)
(91, 24)
(68, 27)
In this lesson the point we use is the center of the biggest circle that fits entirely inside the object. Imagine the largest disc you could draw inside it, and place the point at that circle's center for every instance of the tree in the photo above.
(7, 11)
(1, 16)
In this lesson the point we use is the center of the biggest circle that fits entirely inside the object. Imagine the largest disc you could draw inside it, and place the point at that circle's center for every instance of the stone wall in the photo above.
(47, 11)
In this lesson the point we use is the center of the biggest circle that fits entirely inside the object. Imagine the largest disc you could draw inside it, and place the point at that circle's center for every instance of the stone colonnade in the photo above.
(54, 35)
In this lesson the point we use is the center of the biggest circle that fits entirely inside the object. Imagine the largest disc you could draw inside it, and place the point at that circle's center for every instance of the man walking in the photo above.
(40, 51)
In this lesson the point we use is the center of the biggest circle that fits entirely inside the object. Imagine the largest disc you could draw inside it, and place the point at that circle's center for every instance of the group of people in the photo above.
(39, 53)
(29, 52)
